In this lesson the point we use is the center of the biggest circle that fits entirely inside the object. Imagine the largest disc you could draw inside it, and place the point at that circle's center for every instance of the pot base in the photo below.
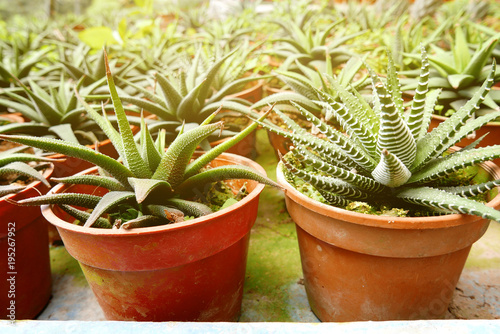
(210, 289)
(343, 285)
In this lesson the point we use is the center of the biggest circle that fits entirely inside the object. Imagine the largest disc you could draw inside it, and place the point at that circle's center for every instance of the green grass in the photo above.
(273, 259)
(61, 264)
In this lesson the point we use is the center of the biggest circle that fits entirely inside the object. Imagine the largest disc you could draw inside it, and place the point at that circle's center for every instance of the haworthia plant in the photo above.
(191, 96)
(51, 112)
(14, 162)
(157, 184)
(388, 157)
(459, 73)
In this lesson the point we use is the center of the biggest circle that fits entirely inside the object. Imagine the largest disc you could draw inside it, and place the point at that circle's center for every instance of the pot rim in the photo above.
(388, 222)
(31, 186)
(49, 214)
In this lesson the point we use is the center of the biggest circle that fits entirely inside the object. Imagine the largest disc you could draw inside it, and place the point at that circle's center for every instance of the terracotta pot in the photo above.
(13, 117)
(25, 279)
(189, 271)
(246, 147)
(280, 144)
(493, 138)
(360, 267)
(252, 94)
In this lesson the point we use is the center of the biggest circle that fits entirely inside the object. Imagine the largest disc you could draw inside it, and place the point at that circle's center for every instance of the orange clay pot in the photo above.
(246, 147)
(29, 269)
(492, 128)
(252, 94)
(360, 267)
(189, 271)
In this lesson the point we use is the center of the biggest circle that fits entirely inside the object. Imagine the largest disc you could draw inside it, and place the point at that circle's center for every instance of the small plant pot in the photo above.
(252, 94)
(189, 271)
(360, 267)
(25, 277)
(246, 147)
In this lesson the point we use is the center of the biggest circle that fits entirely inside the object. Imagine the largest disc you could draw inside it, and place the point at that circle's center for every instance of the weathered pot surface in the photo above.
(366, 267)
(188, 271)
(25, 277)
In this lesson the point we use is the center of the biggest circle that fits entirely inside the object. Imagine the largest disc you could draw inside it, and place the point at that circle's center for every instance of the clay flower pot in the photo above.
(189, 271)
(246, 147)
(251, 94)
(360, 267)
(25, 277)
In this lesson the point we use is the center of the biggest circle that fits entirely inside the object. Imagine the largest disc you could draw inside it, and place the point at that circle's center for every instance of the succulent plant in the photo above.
(21, 65)
(310, 46)
(304, 85)
(387, 157)
(459, 74)
(14, 163)
(156, 184)
(410, 35)
(193, 95)
(53, 113)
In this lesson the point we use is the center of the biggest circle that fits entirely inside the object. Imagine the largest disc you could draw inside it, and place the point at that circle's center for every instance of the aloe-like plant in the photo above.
(310, 46)
(153, 183)
(190, 97)
(459, 74)
(304, 85)
(14, 163)
(53, 113)
(387, 157)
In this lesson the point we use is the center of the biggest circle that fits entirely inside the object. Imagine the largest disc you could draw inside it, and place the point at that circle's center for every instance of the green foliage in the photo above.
(190, 96)
(153, 182)
(53, 113)
(14, 163)
(386, 157)
(459, 73)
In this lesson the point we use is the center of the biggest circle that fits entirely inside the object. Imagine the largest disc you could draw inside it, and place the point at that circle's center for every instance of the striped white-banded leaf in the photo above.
(443, 201)
(356, 152)
(393, 85)
(328, 151)
(390, 171)
(472, 190)
(446, 165)
(357, 119)
(415, 117)
(328, 184)
(449, 132)
(394, 134)
(360, 181)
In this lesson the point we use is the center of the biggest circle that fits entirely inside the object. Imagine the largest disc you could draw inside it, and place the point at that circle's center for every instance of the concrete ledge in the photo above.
(387, 327)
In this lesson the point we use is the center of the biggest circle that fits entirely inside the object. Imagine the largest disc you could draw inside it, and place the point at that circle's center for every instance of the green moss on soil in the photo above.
(62, 264)
(273, 259)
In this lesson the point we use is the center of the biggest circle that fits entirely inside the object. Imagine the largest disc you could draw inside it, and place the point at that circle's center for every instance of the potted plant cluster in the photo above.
(387, 201)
